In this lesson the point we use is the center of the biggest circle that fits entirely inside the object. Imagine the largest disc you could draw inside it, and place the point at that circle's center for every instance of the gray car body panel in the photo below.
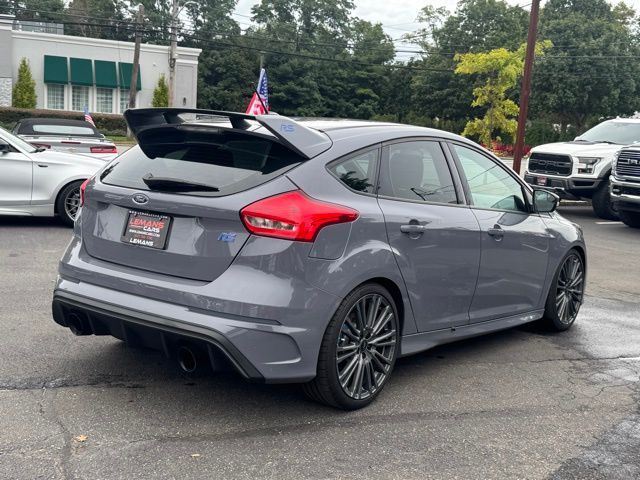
(273, 299)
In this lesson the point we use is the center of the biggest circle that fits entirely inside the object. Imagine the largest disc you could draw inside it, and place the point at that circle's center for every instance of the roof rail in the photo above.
(305, 141)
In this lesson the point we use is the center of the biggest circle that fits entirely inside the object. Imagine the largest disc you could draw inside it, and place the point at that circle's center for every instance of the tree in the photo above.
(160, 93)
(24, 91)
(593, 71)
(98, 19)
(502, 69)
(476, 26)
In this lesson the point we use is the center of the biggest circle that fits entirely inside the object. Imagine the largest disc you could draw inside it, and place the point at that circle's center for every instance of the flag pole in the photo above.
(255, 89)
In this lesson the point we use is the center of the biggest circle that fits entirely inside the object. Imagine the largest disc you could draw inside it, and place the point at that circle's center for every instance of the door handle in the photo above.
(413, 228)
(42, 165)
(496, 232)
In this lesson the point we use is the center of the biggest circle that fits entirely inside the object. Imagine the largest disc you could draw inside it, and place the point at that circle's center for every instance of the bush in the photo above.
(161, 93)
(107, 124)
(24, 91)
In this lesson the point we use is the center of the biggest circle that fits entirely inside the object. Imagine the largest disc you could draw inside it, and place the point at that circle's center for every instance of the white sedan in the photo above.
(35, 181)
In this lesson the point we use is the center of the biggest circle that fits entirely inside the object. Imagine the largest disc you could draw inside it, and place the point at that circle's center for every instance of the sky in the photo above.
(397, 16)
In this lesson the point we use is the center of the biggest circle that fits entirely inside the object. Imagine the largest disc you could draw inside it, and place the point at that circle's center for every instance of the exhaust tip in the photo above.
(76, 324)
(187, 360)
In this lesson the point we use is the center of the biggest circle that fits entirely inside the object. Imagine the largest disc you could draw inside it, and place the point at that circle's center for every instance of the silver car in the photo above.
(311, 251)
(66, 135)
(39, 182)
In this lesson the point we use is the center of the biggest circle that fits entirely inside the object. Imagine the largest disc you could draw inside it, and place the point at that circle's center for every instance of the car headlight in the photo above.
(587, 164)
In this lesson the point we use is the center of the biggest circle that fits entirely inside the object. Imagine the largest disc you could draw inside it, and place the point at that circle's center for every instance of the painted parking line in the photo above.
(608, 223)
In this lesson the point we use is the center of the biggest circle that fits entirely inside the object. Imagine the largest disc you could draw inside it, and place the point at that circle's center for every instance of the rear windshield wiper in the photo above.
(176, 185)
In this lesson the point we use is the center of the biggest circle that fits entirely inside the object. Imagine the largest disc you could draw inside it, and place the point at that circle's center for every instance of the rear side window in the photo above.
(417, 171)
(357, 173)
(224, 163)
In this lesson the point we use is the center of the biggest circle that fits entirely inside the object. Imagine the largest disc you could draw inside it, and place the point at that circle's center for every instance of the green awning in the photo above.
(106, 76)
(81, 71)
(55, 69)
(125, 76)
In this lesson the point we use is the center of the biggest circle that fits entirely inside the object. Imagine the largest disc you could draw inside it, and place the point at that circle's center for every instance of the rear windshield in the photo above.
(225, 164)
(63, 130)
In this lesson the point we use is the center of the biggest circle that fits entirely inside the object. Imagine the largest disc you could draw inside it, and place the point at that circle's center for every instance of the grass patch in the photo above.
(121, 139)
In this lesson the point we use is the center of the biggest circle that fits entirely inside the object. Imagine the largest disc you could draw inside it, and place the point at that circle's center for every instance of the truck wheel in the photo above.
(601, 202)
(630, 219)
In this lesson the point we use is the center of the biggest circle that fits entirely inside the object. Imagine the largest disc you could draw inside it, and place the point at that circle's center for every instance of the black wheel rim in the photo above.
(72, 203)
(366, 347)
(570, 289)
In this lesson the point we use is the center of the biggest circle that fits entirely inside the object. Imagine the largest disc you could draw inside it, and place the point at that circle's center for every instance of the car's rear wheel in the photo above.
(630, 219)
(68, 203)
(566, 293)
(358, 351)
(601, 202)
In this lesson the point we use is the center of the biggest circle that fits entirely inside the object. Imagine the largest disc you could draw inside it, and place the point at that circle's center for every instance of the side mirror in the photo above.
(4, 148)
(545, 201)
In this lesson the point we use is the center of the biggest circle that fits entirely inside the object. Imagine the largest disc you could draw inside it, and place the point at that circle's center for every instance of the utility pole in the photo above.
(172, 51)
(526, 84)
(136, 58)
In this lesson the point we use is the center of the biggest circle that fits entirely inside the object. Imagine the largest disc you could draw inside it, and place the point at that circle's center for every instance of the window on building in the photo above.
(55, 96)
(79, 97)
(124, 99)
(104, 100)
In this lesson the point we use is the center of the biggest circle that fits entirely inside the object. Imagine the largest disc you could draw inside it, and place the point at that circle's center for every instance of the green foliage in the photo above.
(502, 68)
(24, 91)
(160, 93)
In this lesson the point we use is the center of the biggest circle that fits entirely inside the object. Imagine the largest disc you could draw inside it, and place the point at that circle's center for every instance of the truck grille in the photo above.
(628, 164)
(550, 164)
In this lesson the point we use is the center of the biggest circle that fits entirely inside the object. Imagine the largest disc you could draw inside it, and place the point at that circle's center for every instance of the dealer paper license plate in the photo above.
(146, 229)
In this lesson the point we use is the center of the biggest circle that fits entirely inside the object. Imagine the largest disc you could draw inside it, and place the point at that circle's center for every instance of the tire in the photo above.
(601, 202)
(361, 369)
(630, 219)
(68, 202)
(560, 315)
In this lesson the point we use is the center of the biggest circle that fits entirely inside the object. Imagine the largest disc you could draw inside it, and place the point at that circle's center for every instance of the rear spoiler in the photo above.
(305, 141)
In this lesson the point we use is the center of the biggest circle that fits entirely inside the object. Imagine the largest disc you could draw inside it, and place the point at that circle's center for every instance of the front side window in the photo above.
(357, 173)
(55, 96)
(79, 98)
(104, 100)
(417, 171)
(490, 185)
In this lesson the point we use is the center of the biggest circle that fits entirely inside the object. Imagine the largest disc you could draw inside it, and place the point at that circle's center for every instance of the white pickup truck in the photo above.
(581, 168)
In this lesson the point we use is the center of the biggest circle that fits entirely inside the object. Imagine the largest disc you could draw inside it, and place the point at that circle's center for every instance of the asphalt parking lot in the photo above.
(517, 404)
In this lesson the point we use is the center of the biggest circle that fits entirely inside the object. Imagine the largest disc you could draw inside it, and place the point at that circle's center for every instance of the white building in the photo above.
(71, 72)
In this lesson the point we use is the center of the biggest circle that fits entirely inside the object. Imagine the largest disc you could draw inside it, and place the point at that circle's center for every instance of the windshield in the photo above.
(16, 142)
(615, 132)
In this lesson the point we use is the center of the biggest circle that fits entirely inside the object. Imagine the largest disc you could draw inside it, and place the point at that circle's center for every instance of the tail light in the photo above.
(293, 216)
(83, 187)
(104, 149)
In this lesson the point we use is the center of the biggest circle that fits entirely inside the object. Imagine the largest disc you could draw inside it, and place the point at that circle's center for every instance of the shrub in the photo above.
(161, 93)
(24, 91)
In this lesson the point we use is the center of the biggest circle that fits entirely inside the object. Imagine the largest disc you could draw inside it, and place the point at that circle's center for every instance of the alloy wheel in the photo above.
(72, 203)
(366, 346)
(570, 289)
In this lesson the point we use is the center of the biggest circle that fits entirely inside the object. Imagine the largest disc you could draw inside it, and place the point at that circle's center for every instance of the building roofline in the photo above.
(115, 44)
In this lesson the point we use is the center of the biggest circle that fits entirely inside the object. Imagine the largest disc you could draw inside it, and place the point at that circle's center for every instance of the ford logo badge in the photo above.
(140, 198)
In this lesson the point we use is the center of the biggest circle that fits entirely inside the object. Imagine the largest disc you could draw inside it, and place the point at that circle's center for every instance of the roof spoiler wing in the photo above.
(305, 141)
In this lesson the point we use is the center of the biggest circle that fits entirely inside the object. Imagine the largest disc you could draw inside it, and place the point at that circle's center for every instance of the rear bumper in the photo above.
(565, 187)
(260, 350)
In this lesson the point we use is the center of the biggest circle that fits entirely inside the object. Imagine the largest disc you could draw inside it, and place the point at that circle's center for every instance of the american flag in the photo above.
(255, 105)
(87, 116)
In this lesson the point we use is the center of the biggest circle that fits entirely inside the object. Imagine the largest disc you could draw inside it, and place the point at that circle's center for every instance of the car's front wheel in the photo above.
(630, 219)
(68, 203)
(358, 351)
(566, 293)
(601, 203)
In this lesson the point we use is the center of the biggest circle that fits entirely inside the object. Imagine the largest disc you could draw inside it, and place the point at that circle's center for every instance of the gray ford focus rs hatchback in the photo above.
(311, 251)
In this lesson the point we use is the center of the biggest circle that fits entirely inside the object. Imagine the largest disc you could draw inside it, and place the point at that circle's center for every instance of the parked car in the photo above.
(581, 169)
(65, 135)
(625, 185)
(311, 251)
(40, 182)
